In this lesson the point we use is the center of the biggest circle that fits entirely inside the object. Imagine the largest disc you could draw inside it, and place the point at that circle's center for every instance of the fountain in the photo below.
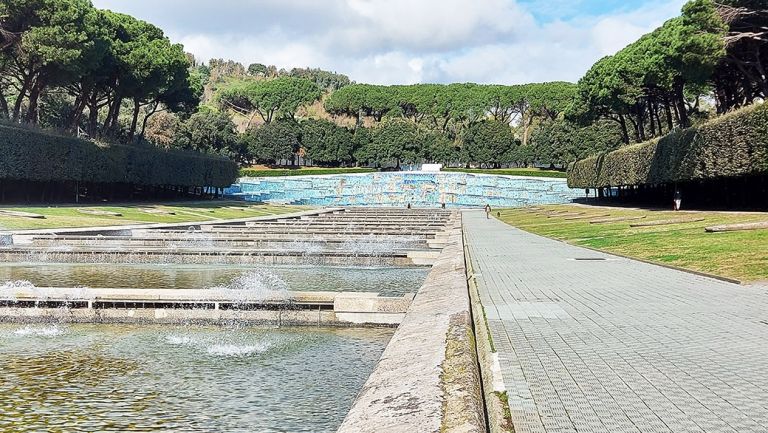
(124, 378)
(420, 189)
(346, 237)
(130, 345)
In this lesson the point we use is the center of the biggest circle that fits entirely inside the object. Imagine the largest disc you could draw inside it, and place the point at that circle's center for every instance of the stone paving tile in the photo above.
(617, 345)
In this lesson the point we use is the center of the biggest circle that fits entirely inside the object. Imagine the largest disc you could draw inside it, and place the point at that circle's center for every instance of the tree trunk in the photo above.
(20, 98)
(675, 112)
(635, 130)
(641, 125)
(93, 116)
(113, 116)
(668, 112)
(250, 120)
(146, 119)
(3, 105)
(33, 111)
(658, 120)
(680, 101)
(624, 131)
(763, 76)
(134, 119)
(527, 122)
(80, 103)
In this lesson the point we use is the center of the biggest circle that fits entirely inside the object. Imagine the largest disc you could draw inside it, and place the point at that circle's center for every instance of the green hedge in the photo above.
(732, 145)
(509, 172)
(33, 155)
(249, 172)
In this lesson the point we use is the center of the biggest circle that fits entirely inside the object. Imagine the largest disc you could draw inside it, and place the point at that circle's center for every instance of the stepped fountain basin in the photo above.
(386, 281)
(210, 306)
(212, 257)
(334, 237)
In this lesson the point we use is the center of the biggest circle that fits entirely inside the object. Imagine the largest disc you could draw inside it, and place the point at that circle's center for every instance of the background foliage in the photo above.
(100, 75)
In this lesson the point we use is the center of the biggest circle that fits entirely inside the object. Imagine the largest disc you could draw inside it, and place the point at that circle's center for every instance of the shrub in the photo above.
(732, 145)
(40, 156)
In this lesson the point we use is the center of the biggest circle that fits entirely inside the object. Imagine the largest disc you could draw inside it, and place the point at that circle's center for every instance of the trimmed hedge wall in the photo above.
(250, 172)
(732, 145)
(38, 156)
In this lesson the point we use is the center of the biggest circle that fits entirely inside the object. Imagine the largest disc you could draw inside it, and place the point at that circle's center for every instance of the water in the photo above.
(123, 378)
(398, 189)
(386, 281)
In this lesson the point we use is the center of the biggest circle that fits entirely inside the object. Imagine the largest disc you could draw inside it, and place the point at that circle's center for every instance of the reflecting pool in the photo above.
(123, 378)
(398, 189)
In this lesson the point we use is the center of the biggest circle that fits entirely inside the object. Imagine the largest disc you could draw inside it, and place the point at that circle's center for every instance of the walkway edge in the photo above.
(646, 261)
(497, 409)
(427, 379)
(650, 262)
(663, 265)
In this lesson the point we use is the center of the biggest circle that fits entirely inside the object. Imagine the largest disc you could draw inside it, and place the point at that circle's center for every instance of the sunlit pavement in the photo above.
(590, 342)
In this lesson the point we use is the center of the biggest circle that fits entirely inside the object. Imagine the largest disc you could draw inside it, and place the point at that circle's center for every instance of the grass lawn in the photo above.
(739, 255)
(71, 215)
(531, 172)
(261, 171)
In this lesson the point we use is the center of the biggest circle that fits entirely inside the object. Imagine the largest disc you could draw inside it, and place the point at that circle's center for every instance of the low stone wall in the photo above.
(427, 379)
(210, 306)
(198, 257)
(178, 317)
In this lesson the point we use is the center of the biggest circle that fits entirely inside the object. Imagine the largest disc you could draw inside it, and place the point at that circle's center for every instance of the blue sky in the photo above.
(553, 10)
(409, 41)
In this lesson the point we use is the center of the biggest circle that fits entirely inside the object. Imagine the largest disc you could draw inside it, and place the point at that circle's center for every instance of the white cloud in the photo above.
(267, 48)
(400, 41)
(440, 25)
(612, 33)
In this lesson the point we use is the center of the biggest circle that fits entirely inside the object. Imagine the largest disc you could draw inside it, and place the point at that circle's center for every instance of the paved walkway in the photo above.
(617, 345)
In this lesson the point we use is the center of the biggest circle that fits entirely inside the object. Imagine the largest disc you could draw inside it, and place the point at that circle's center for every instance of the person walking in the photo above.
(678, 199)
(487, 211)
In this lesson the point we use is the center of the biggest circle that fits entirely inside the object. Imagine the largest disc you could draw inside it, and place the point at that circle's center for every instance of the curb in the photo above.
(494, 406)
(651, 262)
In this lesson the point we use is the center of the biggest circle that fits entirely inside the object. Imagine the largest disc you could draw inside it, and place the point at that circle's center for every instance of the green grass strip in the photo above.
(248, 172)
(528, 172)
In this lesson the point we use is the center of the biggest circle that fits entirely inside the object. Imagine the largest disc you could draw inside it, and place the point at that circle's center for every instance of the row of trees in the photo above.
(711, 59)
(740, 77)
(713, 52)
(455, 123)
(393, 142)
(220, 70)
(278, 98)
(89, 65)
(66, 64)
(450, 109)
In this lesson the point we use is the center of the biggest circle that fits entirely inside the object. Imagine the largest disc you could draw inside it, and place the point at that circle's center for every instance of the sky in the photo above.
(409, 41)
